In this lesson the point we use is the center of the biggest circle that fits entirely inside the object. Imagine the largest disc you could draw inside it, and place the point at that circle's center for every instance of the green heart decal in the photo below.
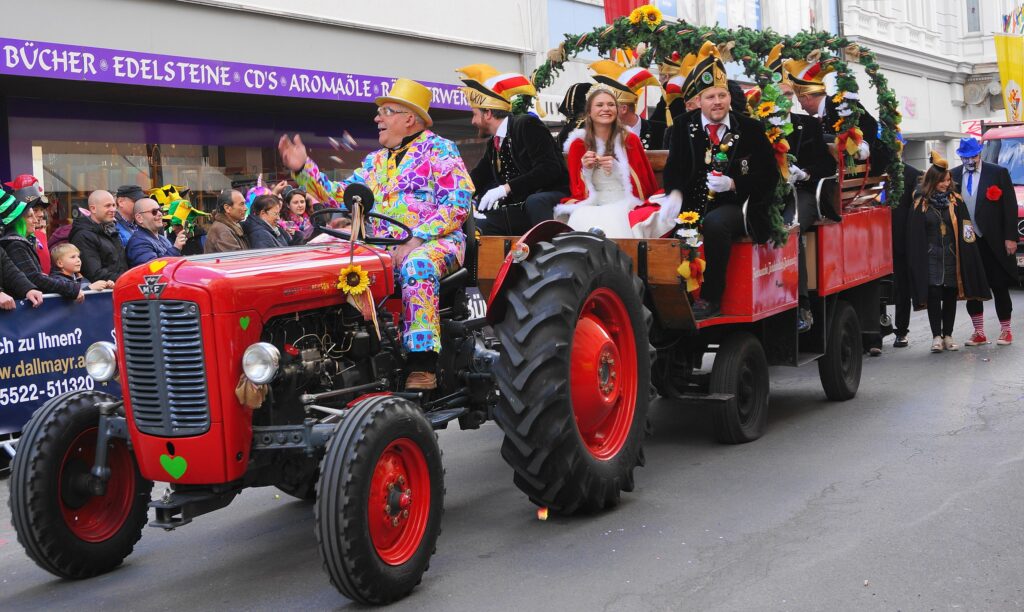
(244, 322)
(175, 466)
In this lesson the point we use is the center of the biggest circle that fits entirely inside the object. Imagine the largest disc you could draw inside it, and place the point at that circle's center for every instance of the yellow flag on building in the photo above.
(1010, 55)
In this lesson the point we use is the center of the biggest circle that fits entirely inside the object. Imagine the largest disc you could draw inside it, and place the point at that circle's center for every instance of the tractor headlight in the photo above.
(101, 361)
(260, 362)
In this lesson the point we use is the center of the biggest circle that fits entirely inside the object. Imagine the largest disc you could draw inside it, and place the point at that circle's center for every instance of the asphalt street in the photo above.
(908, 497)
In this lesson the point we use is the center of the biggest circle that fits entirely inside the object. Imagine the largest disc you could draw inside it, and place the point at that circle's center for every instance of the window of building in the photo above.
(973, 16)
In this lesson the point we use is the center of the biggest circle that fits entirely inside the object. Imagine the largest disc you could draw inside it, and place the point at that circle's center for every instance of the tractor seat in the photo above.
(452, 284)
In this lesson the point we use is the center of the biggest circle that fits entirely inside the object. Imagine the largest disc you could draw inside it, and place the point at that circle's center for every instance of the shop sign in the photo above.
(78, 63)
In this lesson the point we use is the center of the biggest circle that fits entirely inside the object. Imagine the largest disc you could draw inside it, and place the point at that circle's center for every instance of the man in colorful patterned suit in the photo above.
(420, 180)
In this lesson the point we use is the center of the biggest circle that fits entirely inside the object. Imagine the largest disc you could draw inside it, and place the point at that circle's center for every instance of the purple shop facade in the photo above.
(28, 58)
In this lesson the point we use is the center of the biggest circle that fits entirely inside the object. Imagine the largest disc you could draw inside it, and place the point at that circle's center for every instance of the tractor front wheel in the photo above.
(65, 528)
(379, 500)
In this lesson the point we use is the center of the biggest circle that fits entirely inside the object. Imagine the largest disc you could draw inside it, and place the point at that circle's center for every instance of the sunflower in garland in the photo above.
(765, 109)
(353, 280)
(646, 15)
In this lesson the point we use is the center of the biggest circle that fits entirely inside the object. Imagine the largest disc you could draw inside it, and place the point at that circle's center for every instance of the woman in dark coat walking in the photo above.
(942, 254)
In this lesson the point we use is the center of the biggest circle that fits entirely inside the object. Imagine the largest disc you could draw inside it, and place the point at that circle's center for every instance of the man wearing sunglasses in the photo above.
(148, 242)
(420, 180)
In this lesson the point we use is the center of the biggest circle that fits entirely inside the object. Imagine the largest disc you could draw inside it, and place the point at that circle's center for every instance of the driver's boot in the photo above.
(421, 366)
(421, 381)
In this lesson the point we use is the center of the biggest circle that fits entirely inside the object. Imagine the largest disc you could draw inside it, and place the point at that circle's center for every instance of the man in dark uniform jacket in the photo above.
(814, 163)
(522, 174)
(987, 189)
(671, 77)
(748, 176)
(808, 81)
(900, 269)
(626, 83)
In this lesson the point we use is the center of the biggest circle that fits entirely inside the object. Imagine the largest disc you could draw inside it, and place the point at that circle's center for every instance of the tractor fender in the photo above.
(545, 230)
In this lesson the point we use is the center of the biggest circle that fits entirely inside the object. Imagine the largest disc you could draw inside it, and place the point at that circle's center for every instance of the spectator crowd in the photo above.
(129, 227)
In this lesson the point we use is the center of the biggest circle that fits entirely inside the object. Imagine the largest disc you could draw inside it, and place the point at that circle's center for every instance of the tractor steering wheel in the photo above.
(359, 193)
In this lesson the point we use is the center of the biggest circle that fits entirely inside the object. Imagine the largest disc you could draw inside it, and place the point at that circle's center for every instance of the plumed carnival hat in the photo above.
(708, 71)
(624, 82)
(681, 85)
(27, 189)
(938, 160)
(969, 147)
(167, 194)
(670, 65)
(11, 208)
(488, 88)
(808, 75)
(575, 100)
(774, 62)
(181, 212)
(412, 95)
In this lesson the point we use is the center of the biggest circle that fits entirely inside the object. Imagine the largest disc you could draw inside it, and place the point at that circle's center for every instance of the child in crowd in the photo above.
(67, 262)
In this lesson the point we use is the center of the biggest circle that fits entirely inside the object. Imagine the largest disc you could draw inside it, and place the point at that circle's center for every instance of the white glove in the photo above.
(863, 151)
(719, 182)
(671, 204)
(491, 198)
(796, 175)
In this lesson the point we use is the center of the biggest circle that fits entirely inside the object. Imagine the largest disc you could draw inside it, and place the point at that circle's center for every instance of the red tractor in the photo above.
(334, 424)
(567, 376)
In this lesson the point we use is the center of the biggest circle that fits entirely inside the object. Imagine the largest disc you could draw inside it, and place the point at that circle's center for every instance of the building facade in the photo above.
(108, 92)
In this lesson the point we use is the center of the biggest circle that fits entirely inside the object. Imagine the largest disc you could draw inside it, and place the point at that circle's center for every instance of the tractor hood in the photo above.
(265, 280)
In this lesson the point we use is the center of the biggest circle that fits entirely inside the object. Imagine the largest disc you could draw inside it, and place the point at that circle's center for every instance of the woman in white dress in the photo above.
(609, 176)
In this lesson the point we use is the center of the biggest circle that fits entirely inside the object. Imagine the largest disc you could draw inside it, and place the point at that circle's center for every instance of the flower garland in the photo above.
(691, 269)
(747, 46)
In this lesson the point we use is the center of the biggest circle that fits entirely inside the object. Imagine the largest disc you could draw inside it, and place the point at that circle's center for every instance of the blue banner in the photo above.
(42, 353)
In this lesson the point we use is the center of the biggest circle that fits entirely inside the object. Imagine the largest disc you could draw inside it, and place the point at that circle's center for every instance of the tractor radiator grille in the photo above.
(163, 349)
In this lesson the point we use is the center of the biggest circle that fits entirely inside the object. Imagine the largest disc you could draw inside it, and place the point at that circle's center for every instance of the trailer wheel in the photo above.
(379, 500)
(840, 367)
(740, 369)
(64, 527)
(574, 374)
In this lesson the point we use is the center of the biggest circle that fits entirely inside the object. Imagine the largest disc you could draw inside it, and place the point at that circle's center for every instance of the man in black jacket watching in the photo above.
(103, 256)
(813, 163)
(522, 174)
(718, 189)
(987, 189)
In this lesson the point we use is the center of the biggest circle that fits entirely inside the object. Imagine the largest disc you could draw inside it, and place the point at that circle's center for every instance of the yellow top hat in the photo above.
(808, 75)
(624, 82)
(487, 87)
(412, 95)
(708, 71)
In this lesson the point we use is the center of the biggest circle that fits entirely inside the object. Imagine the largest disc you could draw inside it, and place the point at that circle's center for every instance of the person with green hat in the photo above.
(19, 245)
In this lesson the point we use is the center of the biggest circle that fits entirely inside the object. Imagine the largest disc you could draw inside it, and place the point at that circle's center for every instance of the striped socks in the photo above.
(1004, 326)
(979, 323)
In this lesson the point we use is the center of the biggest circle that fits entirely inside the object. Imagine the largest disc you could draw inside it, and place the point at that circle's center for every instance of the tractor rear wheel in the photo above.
(64, 527)
(740, 369)
(574, 374)
(379, 500)
(840, 367)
